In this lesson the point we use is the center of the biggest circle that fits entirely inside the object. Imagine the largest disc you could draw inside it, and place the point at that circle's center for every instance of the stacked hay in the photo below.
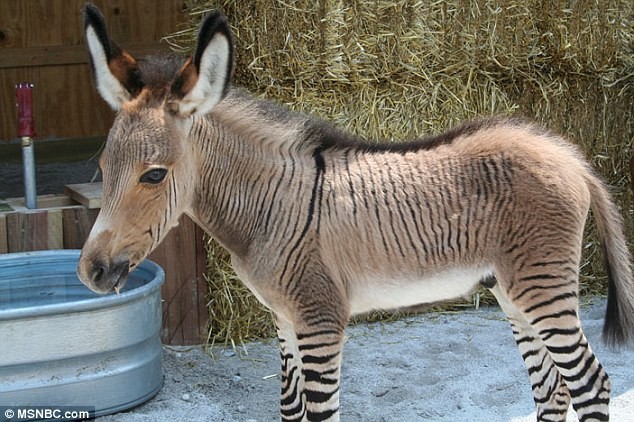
(401, 68)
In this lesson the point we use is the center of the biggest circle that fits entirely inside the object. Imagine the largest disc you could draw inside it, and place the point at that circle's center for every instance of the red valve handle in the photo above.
(26, 123)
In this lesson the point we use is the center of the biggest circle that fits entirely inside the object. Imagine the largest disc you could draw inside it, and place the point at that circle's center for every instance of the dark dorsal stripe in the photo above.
(326, 136)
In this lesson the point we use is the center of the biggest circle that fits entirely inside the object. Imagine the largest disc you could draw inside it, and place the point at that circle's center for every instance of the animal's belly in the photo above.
(386, 292)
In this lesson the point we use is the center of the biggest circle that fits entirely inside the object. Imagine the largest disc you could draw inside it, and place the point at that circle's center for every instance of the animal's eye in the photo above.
(153, 176)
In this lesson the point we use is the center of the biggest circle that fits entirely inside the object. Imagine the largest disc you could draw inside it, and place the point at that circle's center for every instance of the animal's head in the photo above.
(146, 162)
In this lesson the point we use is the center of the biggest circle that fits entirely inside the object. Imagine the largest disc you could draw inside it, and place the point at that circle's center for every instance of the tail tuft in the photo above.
(618, 329)
(615, 332)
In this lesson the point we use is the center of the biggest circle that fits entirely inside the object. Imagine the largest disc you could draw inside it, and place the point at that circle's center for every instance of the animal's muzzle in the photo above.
(103, 276)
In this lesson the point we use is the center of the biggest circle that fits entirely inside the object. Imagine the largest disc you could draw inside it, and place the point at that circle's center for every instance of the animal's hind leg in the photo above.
(549, 390)
(543, 289)
(554, 317)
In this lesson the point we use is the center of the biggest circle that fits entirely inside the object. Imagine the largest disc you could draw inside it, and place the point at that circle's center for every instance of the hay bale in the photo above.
(401, 68)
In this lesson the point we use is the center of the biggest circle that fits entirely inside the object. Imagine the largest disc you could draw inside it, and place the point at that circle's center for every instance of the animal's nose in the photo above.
(99, 271)
(105, 276)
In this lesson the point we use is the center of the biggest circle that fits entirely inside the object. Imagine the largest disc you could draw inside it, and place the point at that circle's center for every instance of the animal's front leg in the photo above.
(292, 402)
(311, 363)
(311, 342)
(320, 353)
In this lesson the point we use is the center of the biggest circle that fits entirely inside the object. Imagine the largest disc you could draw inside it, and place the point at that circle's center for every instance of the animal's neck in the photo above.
(252, 172)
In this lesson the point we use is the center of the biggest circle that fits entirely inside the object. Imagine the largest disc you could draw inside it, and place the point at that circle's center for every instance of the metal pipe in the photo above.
(26, 131)
(28, 161)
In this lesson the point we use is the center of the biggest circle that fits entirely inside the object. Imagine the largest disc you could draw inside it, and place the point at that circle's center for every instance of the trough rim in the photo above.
(13, 263)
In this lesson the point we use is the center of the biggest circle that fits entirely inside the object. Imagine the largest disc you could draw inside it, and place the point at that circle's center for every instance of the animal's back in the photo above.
(448, 212)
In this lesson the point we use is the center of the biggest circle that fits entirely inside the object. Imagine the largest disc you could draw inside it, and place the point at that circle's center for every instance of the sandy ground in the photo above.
(434, 367)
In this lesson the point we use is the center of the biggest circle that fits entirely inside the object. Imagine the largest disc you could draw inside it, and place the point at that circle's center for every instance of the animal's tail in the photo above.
(618, 328)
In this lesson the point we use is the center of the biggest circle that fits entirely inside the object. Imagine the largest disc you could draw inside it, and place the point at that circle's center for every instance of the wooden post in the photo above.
(77, 222)
(34, 230)
(183, 256)
(4, 244)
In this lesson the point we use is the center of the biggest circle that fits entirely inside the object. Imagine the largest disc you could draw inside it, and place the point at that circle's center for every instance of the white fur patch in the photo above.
(207, 92)
(108, 86)
(101, 225)
(385, 292)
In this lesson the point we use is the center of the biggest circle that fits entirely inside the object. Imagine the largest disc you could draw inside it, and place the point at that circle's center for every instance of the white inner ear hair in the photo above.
(108, 86)
(207, 92)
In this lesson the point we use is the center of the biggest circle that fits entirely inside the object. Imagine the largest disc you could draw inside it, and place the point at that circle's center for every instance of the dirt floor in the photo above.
(434, 367)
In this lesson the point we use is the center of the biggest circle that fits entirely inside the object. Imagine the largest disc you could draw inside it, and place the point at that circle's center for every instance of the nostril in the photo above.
(99, 272)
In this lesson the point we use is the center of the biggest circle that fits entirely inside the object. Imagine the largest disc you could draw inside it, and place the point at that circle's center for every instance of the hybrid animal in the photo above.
(322, 225)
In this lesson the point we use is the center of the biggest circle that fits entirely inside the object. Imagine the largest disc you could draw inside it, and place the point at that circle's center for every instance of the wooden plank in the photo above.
(4, 245)
(87, 194)
(77, 223)
(43, 201)
(60, 228)
(184, 293)
(56, 55)
(29, 231)
(41, 56)
(54, 229)
(17, 232)
(36, 23)
(202, 287)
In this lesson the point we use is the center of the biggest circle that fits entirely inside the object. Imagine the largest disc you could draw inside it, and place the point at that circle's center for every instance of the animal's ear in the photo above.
(115, 71)
(204, 78)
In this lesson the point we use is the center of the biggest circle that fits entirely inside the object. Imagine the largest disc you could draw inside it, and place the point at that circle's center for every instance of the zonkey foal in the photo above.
(322, 225)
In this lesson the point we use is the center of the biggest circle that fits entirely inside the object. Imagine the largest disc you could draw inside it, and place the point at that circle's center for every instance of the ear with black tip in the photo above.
(204, 79)
(115, 71)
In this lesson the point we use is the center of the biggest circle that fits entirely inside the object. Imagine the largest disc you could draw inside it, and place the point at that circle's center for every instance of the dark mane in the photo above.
(326, 136)
(158, 71)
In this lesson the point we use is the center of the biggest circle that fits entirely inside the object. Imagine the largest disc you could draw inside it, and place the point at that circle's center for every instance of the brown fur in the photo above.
(322, 225)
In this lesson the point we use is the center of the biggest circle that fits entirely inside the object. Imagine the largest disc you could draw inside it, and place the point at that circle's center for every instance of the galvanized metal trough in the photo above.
(63, 345)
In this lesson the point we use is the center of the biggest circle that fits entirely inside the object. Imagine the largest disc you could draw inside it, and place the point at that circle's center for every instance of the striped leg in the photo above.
(321, 358)
(587, 381)
(311, 362)
(549, 390)
(549, 307)
(292, 404)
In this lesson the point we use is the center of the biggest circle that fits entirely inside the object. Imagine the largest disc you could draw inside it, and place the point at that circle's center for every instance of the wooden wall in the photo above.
(41, 41)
